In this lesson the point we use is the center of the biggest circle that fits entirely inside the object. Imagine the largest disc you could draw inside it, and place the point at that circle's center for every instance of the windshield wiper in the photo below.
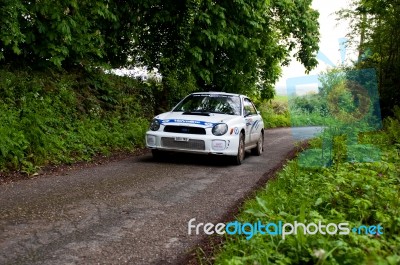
(200, 113)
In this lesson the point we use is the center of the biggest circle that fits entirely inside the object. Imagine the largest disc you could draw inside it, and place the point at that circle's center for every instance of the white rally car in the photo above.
(209, 123)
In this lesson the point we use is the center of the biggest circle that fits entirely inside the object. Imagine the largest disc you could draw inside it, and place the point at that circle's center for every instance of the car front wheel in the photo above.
(238, 159)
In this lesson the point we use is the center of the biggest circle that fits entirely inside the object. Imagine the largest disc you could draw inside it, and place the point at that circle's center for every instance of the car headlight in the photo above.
(155, 125)
(219, 129)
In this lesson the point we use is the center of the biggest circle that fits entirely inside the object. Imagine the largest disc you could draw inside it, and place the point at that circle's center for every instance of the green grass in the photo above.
(357, 193)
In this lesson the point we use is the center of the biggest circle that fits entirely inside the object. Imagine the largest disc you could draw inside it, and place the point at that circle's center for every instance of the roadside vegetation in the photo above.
(351, 173)
(52, 118)
(275, 112)
(286, 111)
(346, 191)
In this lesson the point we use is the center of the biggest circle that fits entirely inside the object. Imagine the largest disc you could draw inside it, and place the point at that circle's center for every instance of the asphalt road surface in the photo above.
(134, 211)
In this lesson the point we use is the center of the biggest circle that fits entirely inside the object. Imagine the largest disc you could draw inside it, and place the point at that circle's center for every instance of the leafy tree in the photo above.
(376, 34)
(235, 46)
(330, 79)
(10, 28)
(45, 33)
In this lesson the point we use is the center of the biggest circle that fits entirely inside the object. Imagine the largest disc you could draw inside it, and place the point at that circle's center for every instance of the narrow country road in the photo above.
(133, 211)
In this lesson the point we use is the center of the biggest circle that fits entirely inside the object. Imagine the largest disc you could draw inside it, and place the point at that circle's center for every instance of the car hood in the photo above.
(206, 121)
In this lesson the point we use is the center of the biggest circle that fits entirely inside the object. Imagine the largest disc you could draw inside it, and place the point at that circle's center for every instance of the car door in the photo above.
(253, 121)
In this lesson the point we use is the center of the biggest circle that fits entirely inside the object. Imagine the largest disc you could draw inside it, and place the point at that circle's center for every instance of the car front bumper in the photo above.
(193, 143)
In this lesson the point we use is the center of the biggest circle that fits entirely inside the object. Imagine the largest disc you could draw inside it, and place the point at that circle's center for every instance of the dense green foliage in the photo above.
(350, 174)
(309, 110)
(196, 45)
(227, 46)
(376, 33)
(61, 33)
(54, 118)
(356, 193)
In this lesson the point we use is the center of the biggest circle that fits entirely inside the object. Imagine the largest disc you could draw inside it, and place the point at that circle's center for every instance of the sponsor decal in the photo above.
(213, 95)
(208, 124)
(249, 121)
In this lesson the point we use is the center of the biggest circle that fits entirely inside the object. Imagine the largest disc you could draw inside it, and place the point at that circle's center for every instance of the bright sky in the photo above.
(331, 32)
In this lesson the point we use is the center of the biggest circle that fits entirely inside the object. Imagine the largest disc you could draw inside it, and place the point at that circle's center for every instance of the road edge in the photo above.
(51, 170)
(209, 244)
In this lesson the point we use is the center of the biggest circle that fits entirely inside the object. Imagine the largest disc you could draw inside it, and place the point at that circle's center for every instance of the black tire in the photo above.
(258, 150)
(238, 159)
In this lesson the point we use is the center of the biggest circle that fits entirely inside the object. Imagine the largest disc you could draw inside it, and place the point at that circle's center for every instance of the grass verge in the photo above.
(354, 193)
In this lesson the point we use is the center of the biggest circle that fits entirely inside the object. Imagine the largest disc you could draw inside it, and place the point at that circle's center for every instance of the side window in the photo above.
(254, 107)
(249, 108)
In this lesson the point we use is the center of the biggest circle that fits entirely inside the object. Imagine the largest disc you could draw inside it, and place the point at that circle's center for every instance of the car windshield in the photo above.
(210, 103)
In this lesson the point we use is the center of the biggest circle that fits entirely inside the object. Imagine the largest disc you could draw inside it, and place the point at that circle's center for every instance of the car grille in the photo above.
(189, 145)
(184, 129)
